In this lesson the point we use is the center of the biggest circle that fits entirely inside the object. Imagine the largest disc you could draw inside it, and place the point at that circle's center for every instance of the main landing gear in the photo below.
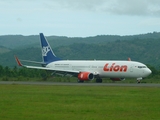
(80, 81)
(98, 80)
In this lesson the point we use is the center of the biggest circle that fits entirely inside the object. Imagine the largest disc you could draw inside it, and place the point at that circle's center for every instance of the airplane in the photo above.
(87, 70)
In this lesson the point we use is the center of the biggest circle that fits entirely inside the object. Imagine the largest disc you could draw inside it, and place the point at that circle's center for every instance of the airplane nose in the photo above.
(148, 72)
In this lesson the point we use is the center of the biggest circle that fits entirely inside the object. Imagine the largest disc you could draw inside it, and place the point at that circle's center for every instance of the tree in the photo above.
(1, 71)
(7, 71)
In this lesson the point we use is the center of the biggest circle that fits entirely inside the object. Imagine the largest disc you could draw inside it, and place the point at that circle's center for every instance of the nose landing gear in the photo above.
(139, 80)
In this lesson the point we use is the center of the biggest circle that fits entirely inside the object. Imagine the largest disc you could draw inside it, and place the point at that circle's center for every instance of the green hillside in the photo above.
(4, 50)
(20, 41)
(143, 48)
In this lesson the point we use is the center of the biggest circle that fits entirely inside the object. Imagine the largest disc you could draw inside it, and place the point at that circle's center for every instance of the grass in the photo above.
(74, 79)
(37, 102)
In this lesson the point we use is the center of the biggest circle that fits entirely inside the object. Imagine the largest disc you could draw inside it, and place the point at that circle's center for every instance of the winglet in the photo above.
(18, 61)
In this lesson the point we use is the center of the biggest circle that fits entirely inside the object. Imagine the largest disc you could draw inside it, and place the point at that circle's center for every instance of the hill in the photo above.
(20, 41)
(4, 50)
(143, 48)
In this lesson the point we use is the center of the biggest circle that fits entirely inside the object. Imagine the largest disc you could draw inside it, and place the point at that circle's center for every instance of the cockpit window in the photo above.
(142, 67)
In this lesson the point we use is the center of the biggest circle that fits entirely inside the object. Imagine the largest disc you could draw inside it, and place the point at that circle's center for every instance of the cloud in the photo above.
(79, 17)
(19, 20)
(118, 7)
(114, 7)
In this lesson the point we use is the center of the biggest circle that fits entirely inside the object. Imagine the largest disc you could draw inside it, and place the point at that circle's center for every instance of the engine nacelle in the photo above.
(117, 79)
(84, 76)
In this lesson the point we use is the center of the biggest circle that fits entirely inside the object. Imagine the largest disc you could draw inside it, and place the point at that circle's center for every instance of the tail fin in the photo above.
(47, 53)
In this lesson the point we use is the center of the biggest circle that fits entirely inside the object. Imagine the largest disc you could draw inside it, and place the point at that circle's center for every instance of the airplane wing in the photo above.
(45, 68)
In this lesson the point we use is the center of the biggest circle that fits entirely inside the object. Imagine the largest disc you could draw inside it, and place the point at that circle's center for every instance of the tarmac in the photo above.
(80, 84)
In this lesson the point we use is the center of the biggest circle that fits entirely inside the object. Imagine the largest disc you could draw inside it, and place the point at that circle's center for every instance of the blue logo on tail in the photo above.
(45, 50)
(47, 53)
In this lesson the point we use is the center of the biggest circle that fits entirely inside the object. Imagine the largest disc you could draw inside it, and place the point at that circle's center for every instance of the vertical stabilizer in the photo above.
(47, 53)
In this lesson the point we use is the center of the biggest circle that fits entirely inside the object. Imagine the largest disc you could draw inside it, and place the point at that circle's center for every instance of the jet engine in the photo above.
(117, 79)
(85, 76)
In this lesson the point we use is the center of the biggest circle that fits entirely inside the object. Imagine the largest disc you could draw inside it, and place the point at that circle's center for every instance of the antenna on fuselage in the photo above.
(129, 59)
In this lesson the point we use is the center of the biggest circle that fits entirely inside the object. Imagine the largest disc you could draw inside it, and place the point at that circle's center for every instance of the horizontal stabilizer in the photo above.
(29, 61)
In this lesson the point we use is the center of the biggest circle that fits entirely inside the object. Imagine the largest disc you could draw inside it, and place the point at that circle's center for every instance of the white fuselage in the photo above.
(120, 69)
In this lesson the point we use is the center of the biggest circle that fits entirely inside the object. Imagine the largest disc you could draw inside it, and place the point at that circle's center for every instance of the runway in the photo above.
(80, 84)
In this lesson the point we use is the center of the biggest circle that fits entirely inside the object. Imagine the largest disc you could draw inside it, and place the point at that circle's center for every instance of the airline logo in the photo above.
(115, 68)
(45, 50)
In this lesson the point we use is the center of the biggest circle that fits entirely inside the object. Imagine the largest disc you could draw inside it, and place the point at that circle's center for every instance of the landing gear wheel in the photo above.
(138, 81)
(80, 81)
(98, 80)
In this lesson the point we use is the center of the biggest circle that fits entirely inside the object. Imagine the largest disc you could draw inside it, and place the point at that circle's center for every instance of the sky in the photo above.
(79, 18)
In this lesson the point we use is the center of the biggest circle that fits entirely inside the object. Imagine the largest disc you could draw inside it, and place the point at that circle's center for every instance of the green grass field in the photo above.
(33, 102)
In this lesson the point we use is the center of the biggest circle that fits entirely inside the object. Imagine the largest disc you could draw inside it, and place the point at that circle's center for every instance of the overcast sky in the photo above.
(79, 18)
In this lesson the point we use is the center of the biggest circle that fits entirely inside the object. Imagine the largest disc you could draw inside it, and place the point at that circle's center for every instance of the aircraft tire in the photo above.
(138, 81)
(98, 80)
(80, 81)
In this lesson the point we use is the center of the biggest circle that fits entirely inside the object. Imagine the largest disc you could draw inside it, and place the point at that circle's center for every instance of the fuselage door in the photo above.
(131, 68)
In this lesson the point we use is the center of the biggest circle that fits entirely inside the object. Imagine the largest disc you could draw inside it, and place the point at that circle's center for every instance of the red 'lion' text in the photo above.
(115, 68)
